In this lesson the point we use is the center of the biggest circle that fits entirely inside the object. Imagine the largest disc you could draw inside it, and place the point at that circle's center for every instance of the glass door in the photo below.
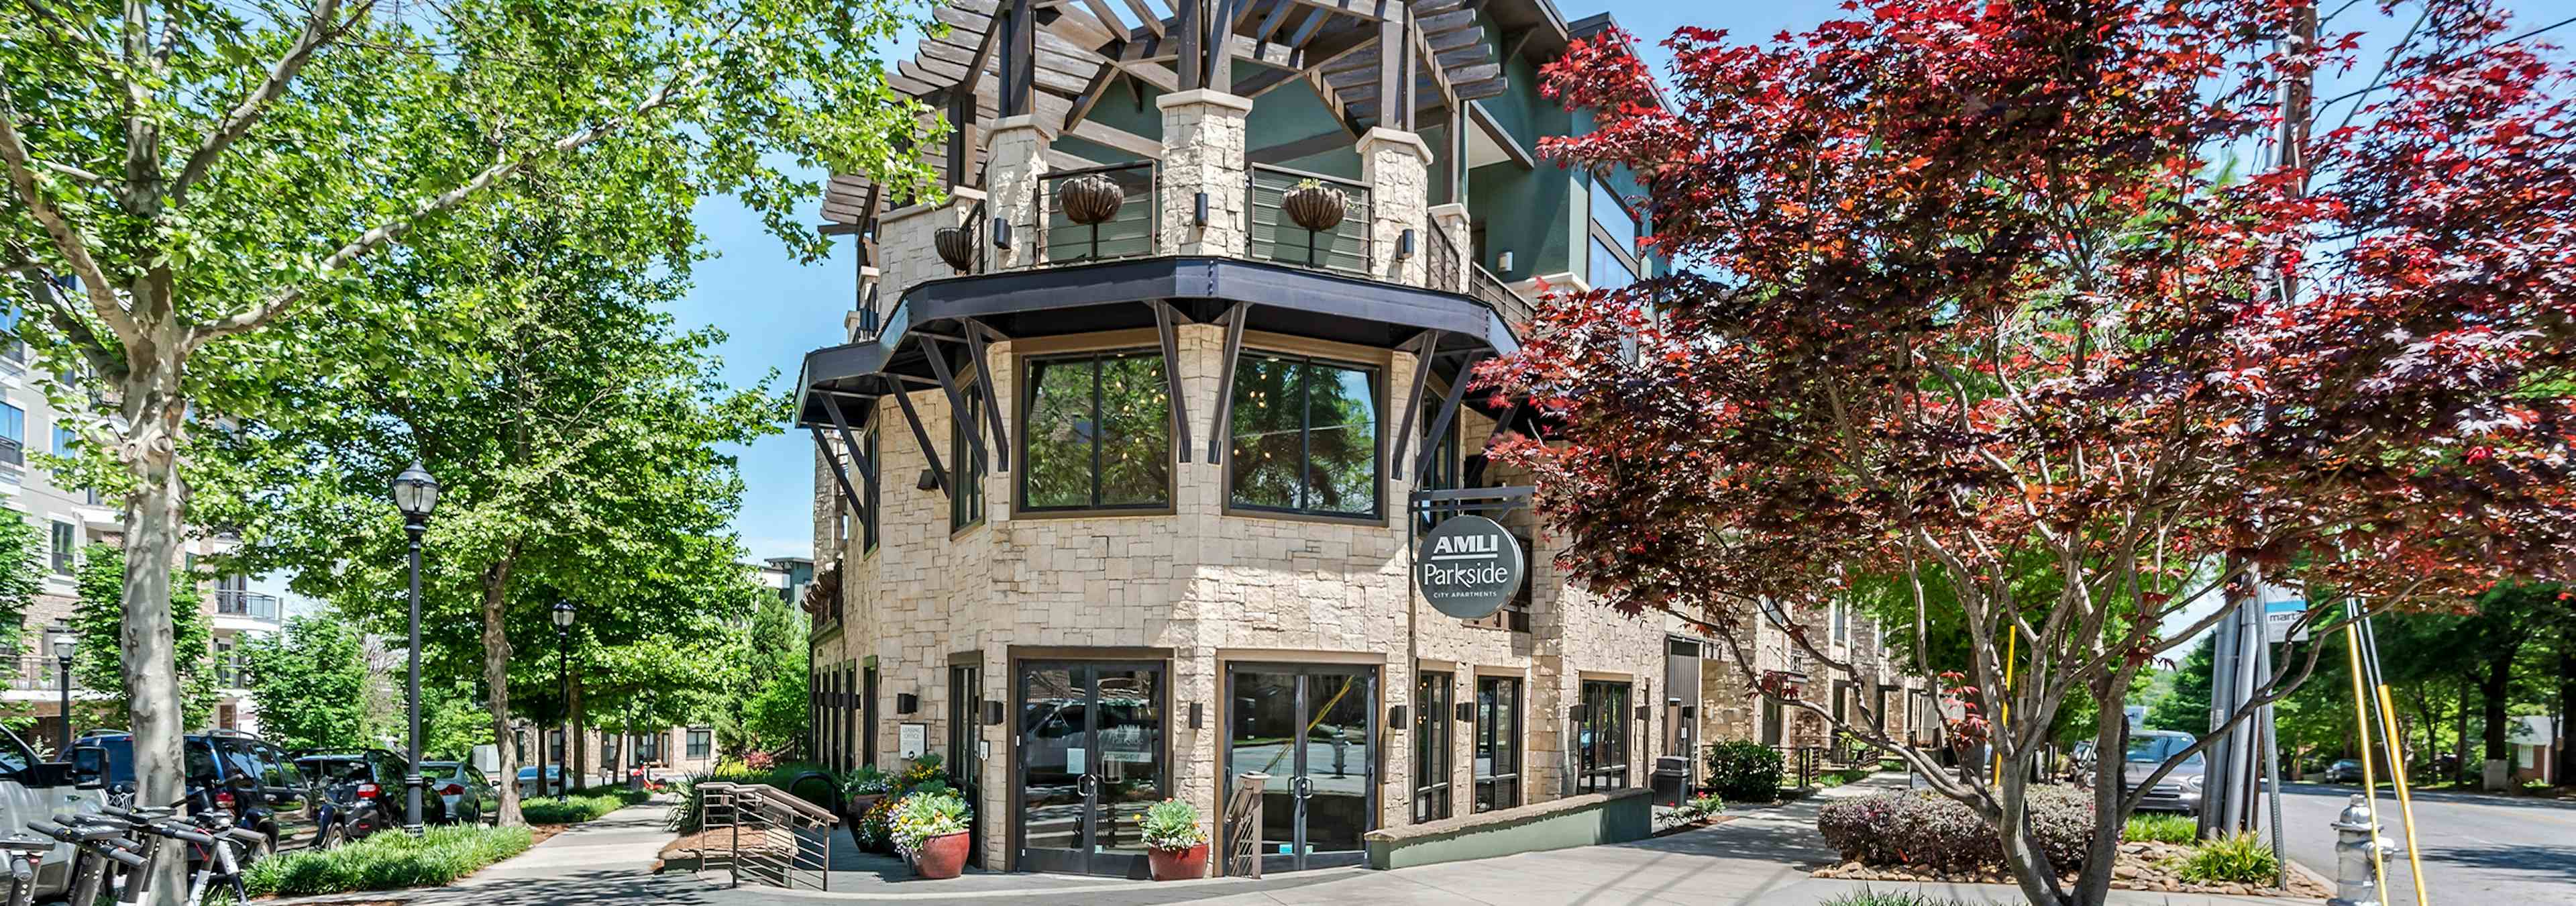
(1090, 758)
(1313, 730)
(966, 749)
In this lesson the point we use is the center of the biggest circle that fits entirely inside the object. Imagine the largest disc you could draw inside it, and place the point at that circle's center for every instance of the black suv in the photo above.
(230, 770)
(371, 774)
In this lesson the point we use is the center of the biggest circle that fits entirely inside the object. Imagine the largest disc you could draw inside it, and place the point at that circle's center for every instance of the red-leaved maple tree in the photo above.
(2097, 292)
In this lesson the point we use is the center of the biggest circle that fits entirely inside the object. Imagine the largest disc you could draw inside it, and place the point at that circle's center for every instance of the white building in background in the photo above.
(69, 519)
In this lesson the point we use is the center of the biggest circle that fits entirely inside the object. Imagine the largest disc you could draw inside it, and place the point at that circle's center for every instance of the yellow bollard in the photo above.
(2405, 803)
(2003, 704)
(2369, 783)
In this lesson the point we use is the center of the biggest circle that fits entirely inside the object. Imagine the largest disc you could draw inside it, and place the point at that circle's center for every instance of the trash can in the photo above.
(1672, 780)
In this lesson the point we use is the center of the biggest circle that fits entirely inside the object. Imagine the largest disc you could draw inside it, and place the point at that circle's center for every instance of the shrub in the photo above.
(1708, 804)
(580, 806)
(866, 780)
(1867, 897)
(2182, 829)
(386, 861)
(1920, 827)
(1744, 771)
(2237, 859)
(926, 813)
(1171, 825)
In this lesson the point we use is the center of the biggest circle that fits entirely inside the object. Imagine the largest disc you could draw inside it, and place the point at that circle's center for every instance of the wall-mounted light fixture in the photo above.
(1503, 262)
(993, 714)
(1467, 711)
(927, 481)
(1198, 715)
(1198, 210)
(906, 702)
(1001, 233)
(1395, 717)
(1404, 244)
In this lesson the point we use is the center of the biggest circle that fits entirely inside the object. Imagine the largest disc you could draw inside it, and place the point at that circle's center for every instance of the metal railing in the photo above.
(1442, 260)
(1128, 233)
(38, 672)
(1273, 237)
(1243, 827)
(236, 602)
(765, 833)
(1483, 286)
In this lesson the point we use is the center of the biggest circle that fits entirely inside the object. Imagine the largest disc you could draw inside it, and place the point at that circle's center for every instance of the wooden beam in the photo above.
(1190, 53)
(1060, 159)
(1364, 10)
(1151, 21)
(1493, 129)
(1090, 96)
(1099, 133)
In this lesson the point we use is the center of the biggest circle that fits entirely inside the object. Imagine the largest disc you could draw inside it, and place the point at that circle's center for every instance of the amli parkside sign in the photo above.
(1469, 567)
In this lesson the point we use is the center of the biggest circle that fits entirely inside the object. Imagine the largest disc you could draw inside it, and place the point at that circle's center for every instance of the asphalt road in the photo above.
(2477, 850)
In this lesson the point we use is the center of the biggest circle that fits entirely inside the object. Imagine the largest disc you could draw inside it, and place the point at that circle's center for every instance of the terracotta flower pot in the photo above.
(1178, 864)
(956, 245)
(1092, 199)
(941, 857)
(1316, 208)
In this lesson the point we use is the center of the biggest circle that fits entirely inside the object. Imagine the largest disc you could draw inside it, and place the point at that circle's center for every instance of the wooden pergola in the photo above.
(1402, 65)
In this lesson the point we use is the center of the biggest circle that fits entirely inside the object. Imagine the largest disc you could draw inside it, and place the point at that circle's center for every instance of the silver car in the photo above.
(2178, 791)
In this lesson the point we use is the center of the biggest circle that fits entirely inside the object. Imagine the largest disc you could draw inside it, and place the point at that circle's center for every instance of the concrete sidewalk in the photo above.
(595, 863)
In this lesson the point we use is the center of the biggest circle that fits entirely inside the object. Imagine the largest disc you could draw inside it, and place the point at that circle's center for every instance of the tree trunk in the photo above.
(153, 515)
(577, 740)
(496, 674)
(2493, 687)
(2460, 736)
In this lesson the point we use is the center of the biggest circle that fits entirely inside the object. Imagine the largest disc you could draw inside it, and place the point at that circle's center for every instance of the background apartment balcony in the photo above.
(242, 609)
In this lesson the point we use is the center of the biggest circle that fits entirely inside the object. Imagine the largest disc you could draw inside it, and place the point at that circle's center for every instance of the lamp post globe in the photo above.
(416, 495)
(63, 647)
(562, 616)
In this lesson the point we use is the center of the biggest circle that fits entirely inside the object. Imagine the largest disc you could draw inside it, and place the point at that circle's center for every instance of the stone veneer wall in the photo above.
(1208, 587)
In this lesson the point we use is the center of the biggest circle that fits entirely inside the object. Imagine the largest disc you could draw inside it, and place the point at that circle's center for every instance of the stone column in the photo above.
(855, 322)
(905, 246)
(1450, 220)
(1395, 166)
(1016, 158)
(1203, 152)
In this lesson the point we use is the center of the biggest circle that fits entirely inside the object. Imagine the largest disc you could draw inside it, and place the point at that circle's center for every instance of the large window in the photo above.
(701, 744)
(13, 434)
(1096, 433)
(1611, 213)
(868, 515)
(1305, 437)
(1615, 232)
(1431, 759)
(966, 506)
(66, 538)
(1498, 742)
(1609, 271)
(1603, 746)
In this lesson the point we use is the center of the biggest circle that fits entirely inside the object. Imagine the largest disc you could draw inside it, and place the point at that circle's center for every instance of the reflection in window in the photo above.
(1608, 271)
(1097, 433)
(1602, 745)
(1304, 437)
(1498, 742)
(1612, 213)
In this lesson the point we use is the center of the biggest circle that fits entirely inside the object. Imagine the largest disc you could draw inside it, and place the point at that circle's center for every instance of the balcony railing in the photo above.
(1443, 261)
(235, 602)
(1274, 237)
(38, 672)
(1486, 288)
(1128, 233)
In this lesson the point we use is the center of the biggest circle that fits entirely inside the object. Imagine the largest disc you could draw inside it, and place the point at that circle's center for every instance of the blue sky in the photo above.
(773, 310)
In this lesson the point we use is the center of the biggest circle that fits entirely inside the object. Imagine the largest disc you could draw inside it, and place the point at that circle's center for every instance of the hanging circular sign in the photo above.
(1469, 567)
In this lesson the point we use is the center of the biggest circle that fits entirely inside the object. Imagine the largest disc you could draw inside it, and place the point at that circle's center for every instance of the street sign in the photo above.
(2282, 608)
(1469, 567)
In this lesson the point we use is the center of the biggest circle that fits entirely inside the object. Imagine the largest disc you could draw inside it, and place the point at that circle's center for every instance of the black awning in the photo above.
(1089, 298)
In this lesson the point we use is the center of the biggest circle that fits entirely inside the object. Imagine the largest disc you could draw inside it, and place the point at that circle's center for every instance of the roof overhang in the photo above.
(1118, 295)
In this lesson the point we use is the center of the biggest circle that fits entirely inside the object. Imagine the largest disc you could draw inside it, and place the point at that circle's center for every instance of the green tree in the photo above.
(310, 681)
(98, 660)
(767, 705)
(21, 576)
(190, 183)
(2186, 708)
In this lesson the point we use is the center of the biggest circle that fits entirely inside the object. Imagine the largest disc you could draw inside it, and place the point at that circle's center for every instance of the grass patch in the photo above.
(2238, 859)
(1867, 897)
(2182, 829)
(582, 805)
(387, 861)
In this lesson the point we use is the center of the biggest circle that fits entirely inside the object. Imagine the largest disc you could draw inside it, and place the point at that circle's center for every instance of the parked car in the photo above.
(35, 790)
(2178, 791)
(528, 786)
(2344, 771)
(466, 792)
(358, 777)
(234, 771)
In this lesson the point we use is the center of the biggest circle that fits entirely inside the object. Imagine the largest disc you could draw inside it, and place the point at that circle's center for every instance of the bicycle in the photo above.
(24, 857)
(95, 847)
(215, 843)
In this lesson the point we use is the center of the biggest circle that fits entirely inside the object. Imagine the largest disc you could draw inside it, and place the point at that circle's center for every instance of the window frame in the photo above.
(1434, 744)
(1306, 428)
(63, 548)
(868, 517)
(1593, 763)
(1623, 248)
(1027, 392)
(967, 507)
(699, 744)
(1488, 787)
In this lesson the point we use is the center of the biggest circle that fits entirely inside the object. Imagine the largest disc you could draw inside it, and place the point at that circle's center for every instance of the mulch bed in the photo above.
(690, 851)
(1710, 821)
(2142, 866)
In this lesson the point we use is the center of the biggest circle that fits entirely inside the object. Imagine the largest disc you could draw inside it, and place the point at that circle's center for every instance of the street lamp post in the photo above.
(63, 661)
(415, 494)
(563, 675)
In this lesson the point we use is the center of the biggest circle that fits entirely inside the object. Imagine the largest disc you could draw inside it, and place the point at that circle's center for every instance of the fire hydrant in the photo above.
(2355, 834)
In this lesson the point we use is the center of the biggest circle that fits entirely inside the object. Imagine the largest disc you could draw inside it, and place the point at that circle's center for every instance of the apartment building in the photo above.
(70, 519)
(1123, 457)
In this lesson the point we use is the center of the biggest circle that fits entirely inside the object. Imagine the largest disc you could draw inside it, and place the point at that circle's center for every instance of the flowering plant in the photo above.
(1171, 825)
(928, 813)
(866, 780)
